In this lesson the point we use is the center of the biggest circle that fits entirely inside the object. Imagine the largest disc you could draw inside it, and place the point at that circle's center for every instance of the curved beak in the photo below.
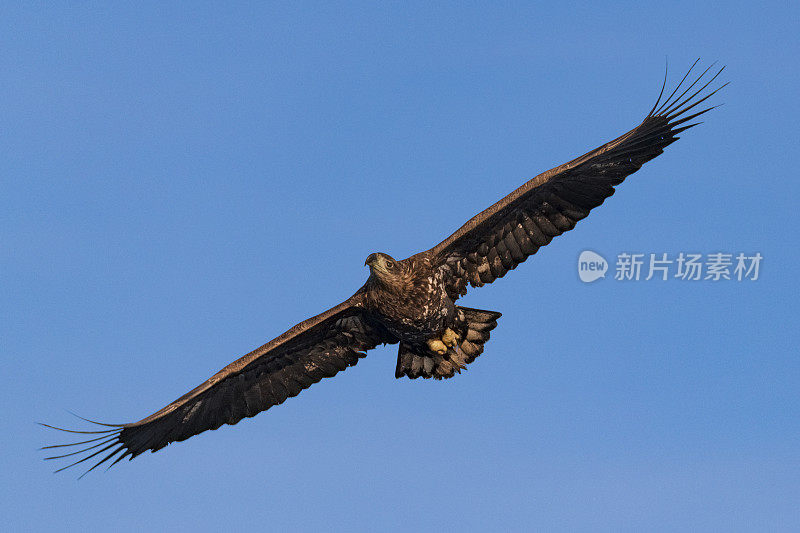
(371, 259)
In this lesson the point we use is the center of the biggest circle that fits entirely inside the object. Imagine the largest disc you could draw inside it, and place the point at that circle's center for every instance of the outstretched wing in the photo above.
(314, 349)
(504, 235)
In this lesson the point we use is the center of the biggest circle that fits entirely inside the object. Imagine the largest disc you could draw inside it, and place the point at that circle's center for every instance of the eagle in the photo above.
(409, 302)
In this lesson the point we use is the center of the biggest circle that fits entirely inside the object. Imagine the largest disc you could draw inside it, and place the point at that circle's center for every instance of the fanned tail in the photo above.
(473, 327)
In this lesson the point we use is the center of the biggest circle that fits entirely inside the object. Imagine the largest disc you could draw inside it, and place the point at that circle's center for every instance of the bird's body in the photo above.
(411, 302)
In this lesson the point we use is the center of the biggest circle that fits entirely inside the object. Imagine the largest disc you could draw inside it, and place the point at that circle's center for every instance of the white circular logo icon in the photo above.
(591, 266)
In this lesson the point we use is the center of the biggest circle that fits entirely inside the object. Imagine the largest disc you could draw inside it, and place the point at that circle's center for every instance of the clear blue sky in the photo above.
(178, 185)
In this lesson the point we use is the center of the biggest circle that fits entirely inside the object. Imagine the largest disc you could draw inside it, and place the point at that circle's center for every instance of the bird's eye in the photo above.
(389, 265)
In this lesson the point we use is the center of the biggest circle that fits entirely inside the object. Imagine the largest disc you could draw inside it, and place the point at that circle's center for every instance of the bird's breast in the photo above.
(418, 311)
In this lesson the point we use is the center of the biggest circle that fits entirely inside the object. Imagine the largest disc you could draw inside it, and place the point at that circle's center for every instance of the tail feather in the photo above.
(473, 327)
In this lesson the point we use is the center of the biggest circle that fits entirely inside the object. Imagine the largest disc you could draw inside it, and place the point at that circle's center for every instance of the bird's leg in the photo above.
(437, 346)
(450, 338)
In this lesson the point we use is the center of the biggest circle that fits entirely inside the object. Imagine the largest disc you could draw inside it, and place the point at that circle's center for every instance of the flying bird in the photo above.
(409, 302)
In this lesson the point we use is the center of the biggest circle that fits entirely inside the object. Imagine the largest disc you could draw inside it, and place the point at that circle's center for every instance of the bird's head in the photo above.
(383, 266)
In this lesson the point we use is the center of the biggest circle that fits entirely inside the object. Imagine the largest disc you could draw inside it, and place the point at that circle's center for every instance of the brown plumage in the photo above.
(410, 302)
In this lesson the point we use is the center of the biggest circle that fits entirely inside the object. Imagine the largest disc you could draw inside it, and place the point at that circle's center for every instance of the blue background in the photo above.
(180, 184)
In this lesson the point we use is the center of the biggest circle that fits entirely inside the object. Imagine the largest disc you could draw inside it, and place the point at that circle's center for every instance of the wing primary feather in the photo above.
(87, 458)
(73, 443)
(672, 101)
(83, 450)
(680, 111)
(690, 117)
(674, 108)
(663, 86)
(677, 101)
(675, 90)
(75, 431)
(684, 128)
(94, 421)
(120, 458)
(103, 460)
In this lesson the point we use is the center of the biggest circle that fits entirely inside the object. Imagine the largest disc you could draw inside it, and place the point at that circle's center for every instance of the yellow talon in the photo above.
(449, 337)
(437, 346)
